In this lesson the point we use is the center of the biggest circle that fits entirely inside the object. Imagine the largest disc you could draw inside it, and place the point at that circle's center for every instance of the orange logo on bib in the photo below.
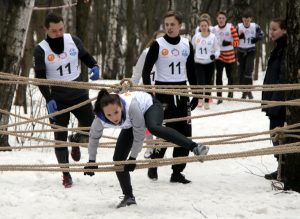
(165, 52)
(51, 58)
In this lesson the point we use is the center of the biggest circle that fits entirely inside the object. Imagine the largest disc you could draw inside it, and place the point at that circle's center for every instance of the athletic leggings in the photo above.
(204, 74)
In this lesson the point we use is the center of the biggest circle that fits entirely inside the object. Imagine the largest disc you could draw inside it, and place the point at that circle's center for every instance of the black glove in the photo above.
(212, 57)
(90, 167)
(130, 167)
(254, 40)
(242, 36)
(194, 103)
(226, 43)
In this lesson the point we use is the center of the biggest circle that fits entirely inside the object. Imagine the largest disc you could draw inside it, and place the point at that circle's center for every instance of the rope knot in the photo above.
(279, 135)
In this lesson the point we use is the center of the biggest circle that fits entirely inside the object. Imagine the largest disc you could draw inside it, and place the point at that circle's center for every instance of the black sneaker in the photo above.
(250, 96)
(179, 178)
(271, 176)
(152, 174)
(244, 95)
(219, 102)
(230, 95)
(127, 200)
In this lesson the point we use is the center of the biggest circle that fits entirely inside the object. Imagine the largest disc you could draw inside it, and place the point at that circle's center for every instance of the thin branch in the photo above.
(199, 211)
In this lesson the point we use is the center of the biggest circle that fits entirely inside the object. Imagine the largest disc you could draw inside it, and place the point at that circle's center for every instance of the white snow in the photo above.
(233, 188)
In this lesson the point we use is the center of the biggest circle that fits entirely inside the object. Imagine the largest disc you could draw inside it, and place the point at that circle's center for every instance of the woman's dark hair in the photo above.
(281, 22)
(52, 18)
(104, 98)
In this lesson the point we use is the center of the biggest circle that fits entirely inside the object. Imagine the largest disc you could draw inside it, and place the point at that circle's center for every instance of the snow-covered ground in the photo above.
(233, 188)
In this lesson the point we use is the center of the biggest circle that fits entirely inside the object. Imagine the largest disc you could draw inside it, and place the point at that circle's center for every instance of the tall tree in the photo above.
(82, 21)
(13, 30)
(171, 5)
(292, 162)
(112, 62)
(131, 52)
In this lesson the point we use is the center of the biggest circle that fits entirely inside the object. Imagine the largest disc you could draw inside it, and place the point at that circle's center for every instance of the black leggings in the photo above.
(123, 146)
(174, 132)
(204, 75)
(154, 117)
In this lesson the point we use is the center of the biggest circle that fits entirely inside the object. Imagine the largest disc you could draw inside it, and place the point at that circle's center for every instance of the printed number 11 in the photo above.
(61, 70)
(172, 67)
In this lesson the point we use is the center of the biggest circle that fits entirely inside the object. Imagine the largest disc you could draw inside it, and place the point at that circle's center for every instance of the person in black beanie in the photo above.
(276, 74)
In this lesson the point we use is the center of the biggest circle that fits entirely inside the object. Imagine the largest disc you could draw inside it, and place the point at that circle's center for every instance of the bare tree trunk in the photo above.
(256, 66)
(26, 64)
(171, 5)
(258, 19)
(131, 52)
(14, 25)
(82, 23)
(194, 16)
(211, 7)
(111, 66)
(150, 20)
(292, 162)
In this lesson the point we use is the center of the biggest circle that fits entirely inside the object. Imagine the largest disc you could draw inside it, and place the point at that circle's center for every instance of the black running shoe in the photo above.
(244, 95)
(271, 176)
(250, 96)
(179, 178)
(127, 200)
(152, 174)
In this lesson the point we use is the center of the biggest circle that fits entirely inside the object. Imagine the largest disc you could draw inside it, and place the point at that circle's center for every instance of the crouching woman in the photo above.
(132, 112)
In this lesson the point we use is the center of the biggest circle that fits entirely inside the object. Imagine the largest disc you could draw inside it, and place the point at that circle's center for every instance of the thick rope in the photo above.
(279, 131)
(284, 149)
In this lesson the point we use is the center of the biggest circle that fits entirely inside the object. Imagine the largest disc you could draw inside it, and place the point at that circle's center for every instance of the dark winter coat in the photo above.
(276, 74)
